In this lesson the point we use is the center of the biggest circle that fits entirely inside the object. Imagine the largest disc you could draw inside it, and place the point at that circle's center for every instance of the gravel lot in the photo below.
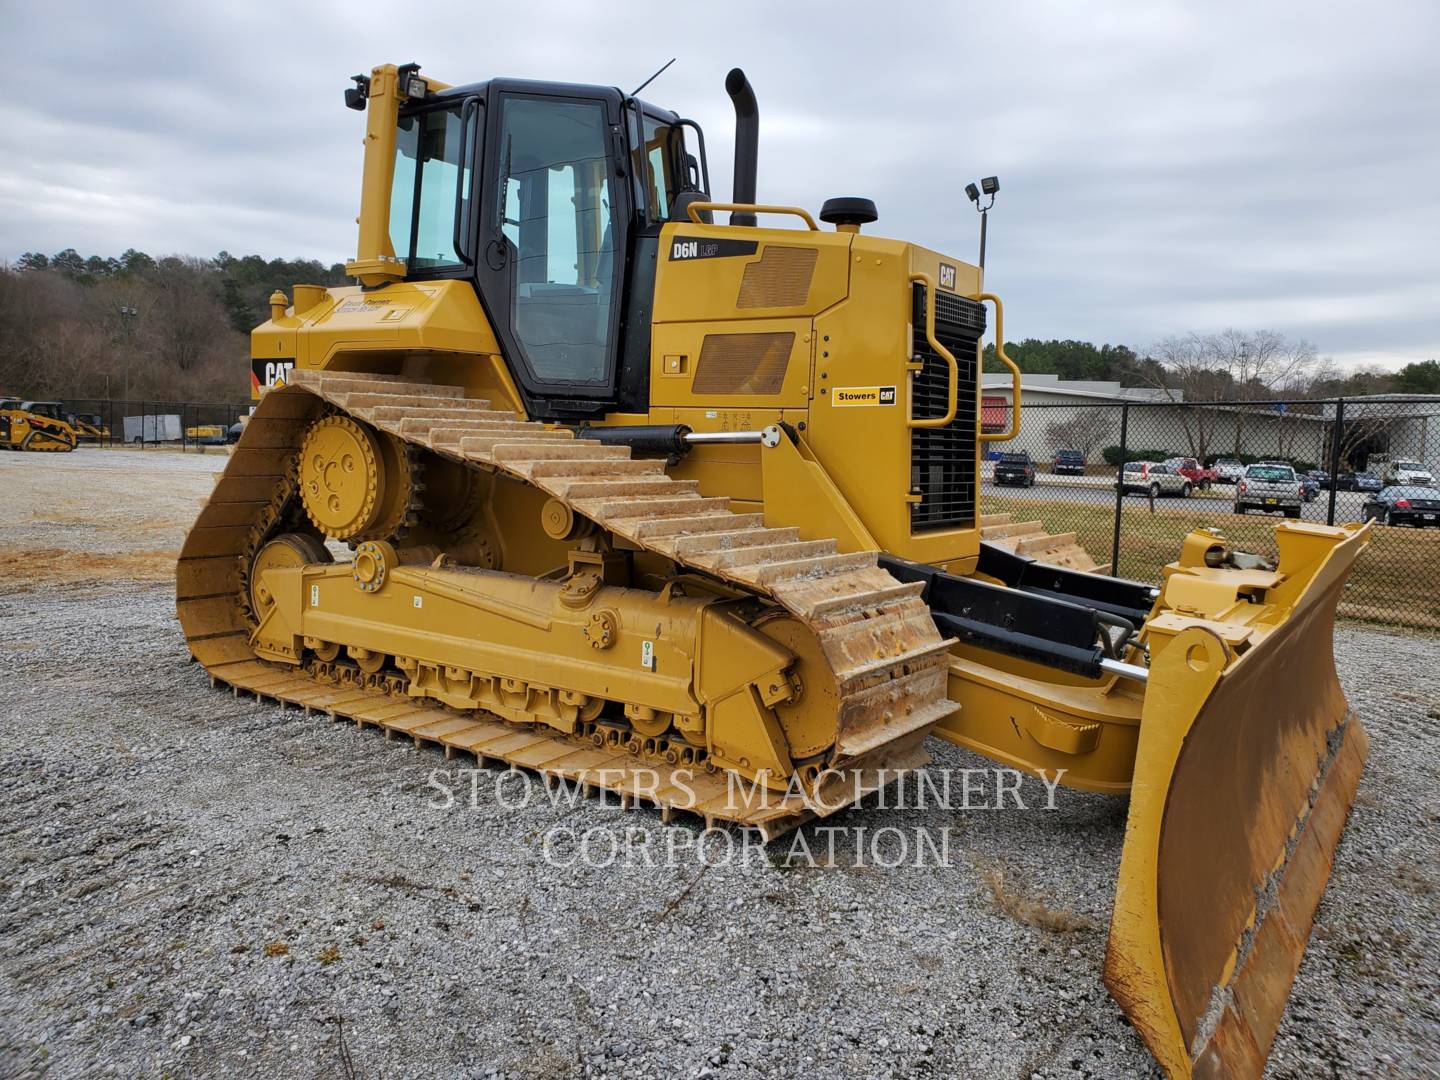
(196, 884)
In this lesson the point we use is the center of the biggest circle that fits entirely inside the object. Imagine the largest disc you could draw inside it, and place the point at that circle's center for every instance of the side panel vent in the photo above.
(743, 363)
(781, 278)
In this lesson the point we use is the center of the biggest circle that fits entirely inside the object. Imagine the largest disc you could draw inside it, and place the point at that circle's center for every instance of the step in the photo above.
(351, 382)
(571, 469)
(1019, 528)
(1045, 543)
(597, 488)
(483, 447)
(696, 525)
(491, 421)
(915, 655)
(395, 413)
(611, 510)
(443, 432)
(725, 541)
(522, 451)
(824, 566)
(868, 599)
(775, 554)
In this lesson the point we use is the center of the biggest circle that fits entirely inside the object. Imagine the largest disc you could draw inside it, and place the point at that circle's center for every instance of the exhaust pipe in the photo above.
(747, 142)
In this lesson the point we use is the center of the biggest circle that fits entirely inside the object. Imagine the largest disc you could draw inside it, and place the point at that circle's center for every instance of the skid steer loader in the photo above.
(629, 491)
(35, 425)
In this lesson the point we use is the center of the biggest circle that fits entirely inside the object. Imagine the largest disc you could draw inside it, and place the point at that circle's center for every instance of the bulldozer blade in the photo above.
(1246, 769)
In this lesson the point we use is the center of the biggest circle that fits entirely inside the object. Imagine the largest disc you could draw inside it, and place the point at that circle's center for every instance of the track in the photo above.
(887, 660)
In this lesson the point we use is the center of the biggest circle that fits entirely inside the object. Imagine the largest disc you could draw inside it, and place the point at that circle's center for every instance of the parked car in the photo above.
(1070, 462)
(1404, 473)
(1155, 479)
(1015, 469)
(1362, 481)
(232, 435)
(1228, 470)
(1309, 486)
(1269, 487)
(1198, 475)
(1405, 504)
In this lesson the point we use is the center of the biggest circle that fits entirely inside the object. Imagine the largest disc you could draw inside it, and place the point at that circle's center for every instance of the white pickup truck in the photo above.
(1228, 470)
(1400, 472)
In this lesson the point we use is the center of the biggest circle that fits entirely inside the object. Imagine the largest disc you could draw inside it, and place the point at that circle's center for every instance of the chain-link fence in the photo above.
(1130, 478)
(186, 425)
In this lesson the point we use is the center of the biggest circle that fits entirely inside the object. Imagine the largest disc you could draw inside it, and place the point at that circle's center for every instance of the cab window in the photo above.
(657, 166)
(422, 199)
(555, 205)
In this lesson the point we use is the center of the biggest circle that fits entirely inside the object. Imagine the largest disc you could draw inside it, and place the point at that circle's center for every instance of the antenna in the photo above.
(652, 78)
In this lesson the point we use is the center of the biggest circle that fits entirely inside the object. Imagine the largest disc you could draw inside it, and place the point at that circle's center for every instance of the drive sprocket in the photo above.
(355, 483)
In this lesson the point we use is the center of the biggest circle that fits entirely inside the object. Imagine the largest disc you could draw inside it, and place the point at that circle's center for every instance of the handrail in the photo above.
(458, 242)
(942, 352)
(752, 208)
(1014, 428)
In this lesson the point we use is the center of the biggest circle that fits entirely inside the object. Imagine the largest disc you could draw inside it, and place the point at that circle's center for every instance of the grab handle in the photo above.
(940, 351)
(1014, 428)
(696, 208)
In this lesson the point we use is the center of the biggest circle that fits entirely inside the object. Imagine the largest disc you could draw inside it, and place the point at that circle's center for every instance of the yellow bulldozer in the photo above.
(36, 425)
(581, 478)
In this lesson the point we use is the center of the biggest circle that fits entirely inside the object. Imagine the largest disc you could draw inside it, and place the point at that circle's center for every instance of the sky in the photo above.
(1164, 167)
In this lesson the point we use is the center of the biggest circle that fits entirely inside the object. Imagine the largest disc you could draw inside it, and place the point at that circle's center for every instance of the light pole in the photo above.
(989, 186)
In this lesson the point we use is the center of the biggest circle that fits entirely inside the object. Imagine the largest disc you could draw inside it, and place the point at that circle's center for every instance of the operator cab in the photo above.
(542, 194)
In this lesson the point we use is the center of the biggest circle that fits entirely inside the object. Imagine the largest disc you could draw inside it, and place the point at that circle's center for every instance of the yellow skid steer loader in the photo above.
(631, 491)
(35, 425)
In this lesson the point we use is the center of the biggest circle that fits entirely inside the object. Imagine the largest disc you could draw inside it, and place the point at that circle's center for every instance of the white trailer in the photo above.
(153, 428)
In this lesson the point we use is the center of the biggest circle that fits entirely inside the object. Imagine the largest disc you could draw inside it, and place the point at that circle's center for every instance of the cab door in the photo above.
(554, 233)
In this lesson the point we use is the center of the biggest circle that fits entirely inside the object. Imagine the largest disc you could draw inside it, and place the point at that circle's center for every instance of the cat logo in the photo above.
(849, 396)
(269, 375)
(277, 372)
(947, 276)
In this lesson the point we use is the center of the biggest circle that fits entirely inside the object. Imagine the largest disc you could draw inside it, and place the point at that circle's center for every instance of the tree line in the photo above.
(1231, 365)
(172, 328)
(177, 328)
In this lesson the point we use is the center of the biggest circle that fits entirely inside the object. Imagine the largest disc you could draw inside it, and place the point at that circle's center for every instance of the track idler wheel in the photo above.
(285, 551)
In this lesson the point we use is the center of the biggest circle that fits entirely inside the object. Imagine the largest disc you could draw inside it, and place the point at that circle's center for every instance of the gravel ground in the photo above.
(125, 510)
(196, 884)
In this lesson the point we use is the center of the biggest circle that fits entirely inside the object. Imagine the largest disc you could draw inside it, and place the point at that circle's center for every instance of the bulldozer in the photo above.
(583, 479)
(35, 425)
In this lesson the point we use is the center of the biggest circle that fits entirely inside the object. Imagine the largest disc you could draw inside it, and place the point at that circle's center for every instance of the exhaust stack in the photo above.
(747, 142)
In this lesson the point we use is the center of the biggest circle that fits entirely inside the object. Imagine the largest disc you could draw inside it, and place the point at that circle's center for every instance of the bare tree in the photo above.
(1189, 373)
(1260, 364)
(1232, 365)
(1085, 431)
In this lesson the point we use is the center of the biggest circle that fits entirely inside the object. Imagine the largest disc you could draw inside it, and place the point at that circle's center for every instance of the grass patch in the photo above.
(1395, 582)
(1022, 905)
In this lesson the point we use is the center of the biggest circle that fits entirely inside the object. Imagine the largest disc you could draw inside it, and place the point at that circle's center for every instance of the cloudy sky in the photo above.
(1164, 166)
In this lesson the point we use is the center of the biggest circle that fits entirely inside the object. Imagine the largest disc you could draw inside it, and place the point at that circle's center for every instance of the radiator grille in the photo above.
(743, 363)
(942, 460)
(779, 278)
